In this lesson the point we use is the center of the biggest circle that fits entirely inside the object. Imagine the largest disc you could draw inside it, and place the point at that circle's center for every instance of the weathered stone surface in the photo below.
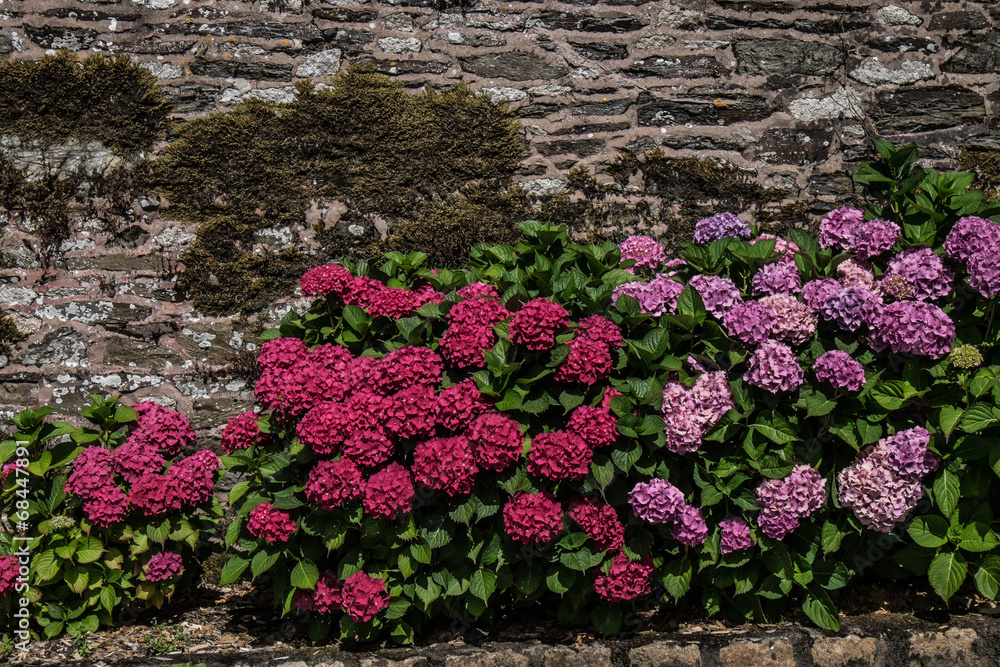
(212, 412)
(609, 108)
(788, 146)
(280, 95)
(820, 27)
(590, 128)
(207, 343)
(118, 262)
(681, 67)
(773, 653)
(400, 44)
(588, 656)
(19, 388)
(398, 67)
(958, 21)
(512, 65)
(895, 15)
(843, 103)
(59, 37)
(850, 651)
(344, 14)
(16, 294)
(64, 346)
(952, 648)
(503, 94)
(141, 354)
(466, 39)
(700, 143)
(324, 63)
(6, 44)
(665, 654)
(580, 147)
(977, 54)
(701, 109)
(552, 20)
(544, 187)
(163, 70)
(192, 97)
(923, 109)
(19, 256)
(896, 43)
(600, 50)
(786, 57)
(350, 42)
(261, 29)
(836, 187)
(874, 73)
(155, 46)
(233, 69)
(76, 14)
(491, 659)
(537, 110)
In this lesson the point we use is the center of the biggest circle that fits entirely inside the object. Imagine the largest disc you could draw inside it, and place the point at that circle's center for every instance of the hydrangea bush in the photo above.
(108, 515)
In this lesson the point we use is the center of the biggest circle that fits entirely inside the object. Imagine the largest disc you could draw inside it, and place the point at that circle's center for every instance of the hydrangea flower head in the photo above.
(690, 413)
(794, 321)
(587, 362)
(851, 307)
(389, 492)
(273, 525)
(240, 432)
(596, 425)
(601, 330)
(874, 237)
(163, 565)
(559, 455)
(914, 327)
(9, 573)
(600, 522)
(368, 447)
(160, 427)
(459, 404)
(750, 322)
(984, 272)
(363, 597)
(93, 471)
(327, 279)
(718, 294)
(720, 226)
(785, 501)
(656, 297)
(851, 273)
(924, 271)
(776, 278)
(332, 483)
(407, 367)
(193, 477)
(464, 345)
(656, 501)
(774, 367)
(445, 464)
(533, 517)
(411, 412)
(966, 357)
(536, 323)
(645, 250)
(816, 292)
(970, 235)
(838, 227)
(689, 527)
(326, 426)
(626, 579)
(839, 369)
(496, 441)
(735, 535)
(106, 507)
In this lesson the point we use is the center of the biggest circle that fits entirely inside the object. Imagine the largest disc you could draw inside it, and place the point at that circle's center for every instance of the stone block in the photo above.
(64, 346)
(785, 57)
(140, 354)
(977, 54)
(553, 20)
(679, 67)
(767, 653)
(951, 648)
(600, 50)
(850, 651)
(512, 65)
(665, 654)
(790, 146)
(59, 37)
(701, 109)
(492, 659)
(923, 109)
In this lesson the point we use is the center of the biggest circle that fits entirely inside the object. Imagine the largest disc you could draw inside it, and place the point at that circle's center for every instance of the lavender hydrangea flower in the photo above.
(656, 297)
(735, 535)
(970, 235)
(689, 526)
(689, 413)
(851, 307)
(750, 322)
(914, 327)
(719, 294)
(854, 274)
(774, 367)
(720, 226)
(924, 271)
(837, 228)
(984, 272)
(645, 250)
(908, 453)
(874, 237)
(785, 501)
(839, 369)
(656, 501)
(794, 321)
(776, 278)
(816, 292)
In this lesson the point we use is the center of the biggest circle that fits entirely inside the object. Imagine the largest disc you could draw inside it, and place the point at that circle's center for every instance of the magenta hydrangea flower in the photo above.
(924, 271)
(9, 573)
(720, 226)
(240, 432)
(626, 579)
(774, 367)
(656, 501)
(389, 492)
(735, 535)
(874, 237)
(689, 527)
(786, 249)
(784, 502)
(533, 517)
(645, 250)
(656, 297)
(600, 522)
(984, 272)
(163, 565)
(363, 597)
(970, 235)
(837, 228)
(840, 370)
(816, 292)
(854, 274)
(776, 278)
(718, 294)
(914, 327)
(750, 322)
(536, 323)
(794, 321)
(851, 307)
(272, 524)
(559, 455)
(161, 428)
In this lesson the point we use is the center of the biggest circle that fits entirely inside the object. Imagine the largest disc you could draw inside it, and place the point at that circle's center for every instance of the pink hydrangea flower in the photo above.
(363, 597)
(137, 457)
(794, 321)
(720, 226)
(689, 526)
(984, 272)
(154, 495)
(407, 367)
(445, 464)
(478, 289)
(496, 441)
(533, 517)
(690, 413)
(851, 273)
(851, 307)
(656, 501)
(535, 325)
(389, 492)
(838, 227)
(784, 502)
(914, 327)
(874, 237)
(326, 426)
(601, 330)
(816, 292)
(600, 522)
(559, 455)
(327, 279)
(272, 524)
(774, 367)
(735, 535)
(840, 370)
(323, 599)
(625, 581)
(656, 297)
(193, 477)
(970, 235)
(163, 565)
(464, 345)
(162, 428)
(588, 361)
(924, 271)
(645, 250)
(368, 447)
(10, 571)
(717, 293)
(106, 507)
(750, 322)
(776, 278)
(93, 471)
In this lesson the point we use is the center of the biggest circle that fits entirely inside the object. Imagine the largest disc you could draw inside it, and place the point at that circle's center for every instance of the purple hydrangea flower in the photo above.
(720, 226)
(776, 278)
(984, 272)
(656, 297)
(735, 535)
(645, 250)
(874, 237)
(854, 274)
(840, 370)
(689, 526)
(837, 228)
(908, 453)
(785, 501)
(794, 321)
(851, 307)
(774, 367)
(914, 327)
(750, 322)
(719, 294)
(656, 501)
(816, 292)
(970, 235)
(689, 413)
(924, 271)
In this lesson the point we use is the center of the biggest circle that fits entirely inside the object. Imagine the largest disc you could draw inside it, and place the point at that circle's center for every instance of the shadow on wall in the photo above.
(355, 168)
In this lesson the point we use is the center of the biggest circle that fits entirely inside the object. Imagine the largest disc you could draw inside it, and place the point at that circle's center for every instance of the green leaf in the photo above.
(356, 318)
(820, 608)
(677, 577)
(949, 418)
(832, 537)
(482, 584)
(304, 575)
(46, 565)
(978, 538)
(779, 437)
(89, 549)
(421, 553)
(946, 492)
(77, 578)
(977, 417)
(947, 572)
(929, 531)
(607, 619)
(232, 570)
(581, 560)
(262, 562)
(987, 576)
(689, 303)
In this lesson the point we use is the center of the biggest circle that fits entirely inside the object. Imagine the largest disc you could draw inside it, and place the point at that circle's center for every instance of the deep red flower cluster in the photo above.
(600, 522)
(378, 299)
(410, 413)
(459, 404)
(361, 596)
(163, 565)
(470, 332)
(596, 425)
(326, 427)
(368, 447)
(240, 432)
(535, 325)
(323, 599)
(331, 483)
(389, 492)
(408, 367)
(626, 580)
(9, 572)
(271, 524)
(589, 358)
(161, 428)
(496, 440)
(533, 517)
(445, 464)
(559, 455)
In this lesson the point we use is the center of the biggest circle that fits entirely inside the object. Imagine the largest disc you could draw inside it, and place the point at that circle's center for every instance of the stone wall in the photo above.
(788, 89)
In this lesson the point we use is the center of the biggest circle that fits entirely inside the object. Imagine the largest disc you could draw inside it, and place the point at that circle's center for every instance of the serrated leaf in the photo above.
(304, 575)
(46, 565)
(946, 492)
(831, 537)
(929, 531)
(232, 570)
(820, 608)
(977, 417)
(89, 549)
(677, 577)
(987, 576)
(948, 419)
(607, 619)
(482, 584)
(946, 573)
(262, 562)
